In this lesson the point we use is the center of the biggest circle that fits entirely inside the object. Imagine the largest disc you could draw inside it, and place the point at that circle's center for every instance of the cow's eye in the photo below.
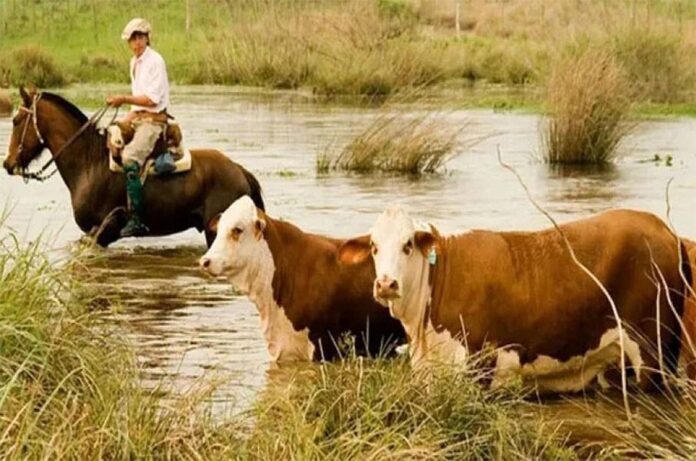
(373, 248)
(408, 248)
(236, 232)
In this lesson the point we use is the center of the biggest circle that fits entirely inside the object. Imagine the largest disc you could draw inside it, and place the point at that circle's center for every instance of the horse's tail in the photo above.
(254, 189)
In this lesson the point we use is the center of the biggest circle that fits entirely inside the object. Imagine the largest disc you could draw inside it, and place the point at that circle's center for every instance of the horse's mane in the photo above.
(65, 104)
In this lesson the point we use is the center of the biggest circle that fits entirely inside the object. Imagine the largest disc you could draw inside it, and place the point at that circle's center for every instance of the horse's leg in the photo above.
(110, 229)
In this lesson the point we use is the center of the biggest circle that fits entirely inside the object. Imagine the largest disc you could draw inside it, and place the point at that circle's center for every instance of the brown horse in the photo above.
(173, 203)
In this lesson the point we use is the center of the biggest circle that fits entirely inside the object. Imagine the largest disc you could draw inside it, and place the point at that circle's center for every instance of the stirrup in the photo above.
(134, 228)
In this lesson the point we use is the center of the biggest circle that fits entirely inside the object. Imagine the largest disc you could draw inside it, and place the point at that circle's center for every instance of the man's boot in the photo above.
(135, 226)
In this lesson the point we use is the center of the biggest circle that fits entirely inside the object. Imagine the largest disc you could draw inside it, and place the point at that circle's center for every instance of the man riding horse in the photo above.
(148, 115)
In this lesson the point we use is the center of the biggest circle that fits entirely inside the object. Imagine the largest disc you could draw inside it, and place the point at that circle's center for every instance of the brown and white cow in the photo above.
(689, 318)
(521, 292)
(307, 299)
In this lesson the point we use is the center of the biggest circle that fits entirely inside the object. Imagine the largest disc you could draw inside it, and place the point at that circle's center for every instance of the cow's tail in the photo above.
(688, 334)
(254, 188)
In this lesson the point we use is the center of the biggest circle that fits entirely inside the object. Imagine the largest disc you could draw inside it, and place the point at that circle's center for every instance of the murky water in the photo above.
(183, 323)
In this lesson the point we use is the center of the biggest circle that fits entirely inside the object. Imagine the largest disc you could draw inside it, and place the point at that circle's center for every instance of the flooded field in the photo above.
(183, 323)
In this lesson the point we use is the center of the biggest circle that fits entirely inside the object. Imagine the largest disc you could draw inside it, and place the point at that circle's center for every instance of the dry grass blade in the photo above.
(589, 101)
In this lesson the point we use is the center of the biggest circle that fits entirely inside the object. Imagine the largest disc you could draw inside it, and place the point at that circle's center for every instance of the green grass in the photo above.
(382, 409)
(69, 386)
(368, 48)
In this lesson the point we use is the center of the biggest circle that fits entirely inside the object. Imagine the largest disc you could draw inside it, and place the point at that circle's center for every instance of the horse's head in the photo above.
(26, 142)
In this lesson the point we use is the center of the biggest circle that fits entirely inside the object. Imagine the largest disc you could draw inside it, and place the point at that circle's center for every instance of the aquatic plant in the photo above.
(398, 143)
(589, 102)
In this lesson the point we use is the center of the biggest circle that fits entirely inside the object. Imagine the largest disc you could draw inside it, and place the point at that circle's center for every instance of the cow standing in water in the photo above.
(522, 292)
(306, 298)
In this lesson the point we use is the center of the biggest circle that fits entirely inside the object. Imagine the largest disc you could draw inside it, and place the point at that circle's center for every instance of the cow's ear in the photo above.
(425, 241)
(26, 97)
(355, 251)
(259, 226)
(213, 223)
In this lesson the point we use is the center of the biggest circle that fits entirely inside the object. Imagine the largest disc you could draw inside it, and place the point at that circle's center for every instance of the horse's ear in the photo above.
(26, 97)
(213, 223)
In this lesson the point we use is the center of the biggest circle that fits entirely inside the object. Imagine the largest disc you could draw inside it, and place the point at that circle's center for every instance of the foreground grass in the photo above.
(381, 409)
(68, 384)
(69, 389)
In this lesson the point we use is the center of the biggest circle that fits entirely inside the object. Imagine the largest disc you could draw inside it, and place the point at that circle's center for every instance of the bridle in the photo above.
(32, 116)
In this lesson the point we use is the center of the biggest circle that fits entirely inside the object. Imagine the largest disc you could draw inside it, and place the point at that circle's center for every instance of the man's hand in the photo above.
(116, 100)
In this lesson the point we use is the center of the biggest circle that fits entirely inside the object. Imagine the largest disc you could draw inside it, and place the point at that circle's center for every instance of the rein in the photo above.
(33, 115)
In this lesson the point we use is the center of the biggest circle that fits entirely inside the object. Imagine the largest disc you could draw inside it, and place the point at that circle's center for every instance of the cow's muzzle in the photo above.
(387, 288)
(206, 263)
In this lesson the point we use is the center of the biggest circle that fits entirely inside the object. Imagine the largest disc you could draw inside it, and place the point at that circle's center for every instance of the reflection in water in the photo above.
(588, 187)
(183, 323)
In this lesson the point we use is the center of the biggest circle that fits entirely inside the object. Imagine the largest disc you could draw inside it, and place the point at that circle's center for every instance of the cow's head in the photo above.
(400, 251)
(239, 243)
(118, 135)
(25, 140)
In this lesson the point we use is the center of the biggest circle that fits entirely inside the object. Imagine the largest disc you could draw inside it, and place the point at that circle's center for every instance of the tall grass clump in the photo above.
(69, 386)
(659, 63)
(589, 102)
(382, 409)
(32, 64)
(395, 143)
(665, 425)
(335, 48)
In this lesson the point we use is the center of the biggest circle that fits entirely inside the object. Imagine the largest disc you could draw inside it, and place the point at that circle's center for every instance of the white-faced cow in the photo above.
(522, 292)
(307, 299)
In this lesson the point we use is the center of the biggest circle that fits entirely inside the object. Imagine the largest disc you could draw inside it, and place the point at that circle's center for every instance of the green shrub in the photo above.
(32, 65)
(659, 63)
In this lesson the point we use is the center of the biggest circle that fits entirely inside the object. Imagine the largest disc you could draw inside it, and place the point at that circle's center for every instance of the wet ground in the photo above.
(183, 323)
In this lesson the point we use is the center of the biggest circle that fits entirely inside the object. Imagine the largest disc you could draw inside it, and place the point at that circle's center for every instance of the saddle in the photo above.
(120, 133)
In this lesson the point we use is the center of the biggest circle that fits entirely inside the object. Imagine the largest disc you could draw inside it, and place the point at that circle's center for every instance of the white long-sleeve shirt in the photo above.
(149, 77)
